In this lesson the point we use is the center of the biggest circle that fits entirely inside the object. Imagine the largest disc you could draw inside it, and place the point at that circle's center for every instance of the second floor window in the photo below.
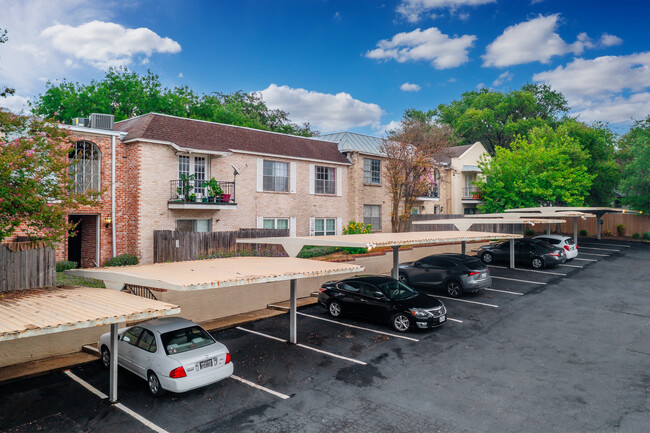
(371, 171)
(85, 166)
(325, 180)
(276, 176)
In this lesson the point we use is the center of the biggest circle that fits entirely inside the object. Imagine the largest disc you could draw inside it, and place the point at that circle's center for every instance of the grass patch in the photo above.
(309, 251)
(70, 280)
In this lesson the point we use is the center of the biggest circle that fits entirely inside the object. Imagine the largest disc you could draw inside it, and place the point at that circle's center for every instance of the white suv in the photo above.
(566, 242)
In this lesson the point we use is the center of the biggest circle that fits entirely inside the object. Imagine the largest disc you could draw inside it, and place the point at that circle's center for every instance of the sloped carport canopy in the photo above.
(293, 245)
(218, 273)
(47, 311)
(551, 210)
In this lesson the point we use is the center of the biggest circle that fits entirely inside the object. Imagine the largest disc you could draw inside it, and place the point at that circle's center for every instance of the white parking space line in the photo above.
(334, 355)
(454, 320)
(521, 281)
(572, 266)
(529, 270)
(505, 291)
(599, 249)
(465, 300)
(594, 254)
(120, 406)
(605, 245)
(586, 260)
(254, 385)
(359, 327)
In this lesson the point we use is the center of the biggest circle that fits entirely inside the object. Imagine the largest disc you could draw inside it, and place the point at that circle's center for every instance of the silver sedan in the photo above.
(171, 354)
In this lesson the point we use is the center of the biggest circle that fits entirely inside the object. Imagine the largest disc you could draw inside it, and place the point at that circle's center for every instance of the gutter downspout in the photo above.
(114, 242)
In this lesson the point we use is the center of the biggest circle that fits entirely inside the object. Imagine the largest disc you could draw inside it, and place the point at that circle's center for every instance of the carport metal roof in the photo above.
(42, 311)
(465, 223)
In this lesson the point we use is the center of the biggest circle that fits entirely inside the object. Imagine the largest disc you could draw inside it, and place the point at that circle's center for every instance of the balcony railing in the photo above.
(471, 193)
(193, 191)
(434, 192)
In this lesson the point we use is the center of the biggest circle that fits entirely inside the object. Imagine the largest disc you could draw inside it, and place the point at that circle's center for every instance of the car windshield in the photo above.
(474, 264)
(186, 339)
(397, 290)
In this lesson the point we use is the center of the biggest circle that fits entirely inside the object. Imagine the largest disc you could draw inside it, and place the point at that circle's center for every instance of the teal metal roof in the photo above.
(353, 142)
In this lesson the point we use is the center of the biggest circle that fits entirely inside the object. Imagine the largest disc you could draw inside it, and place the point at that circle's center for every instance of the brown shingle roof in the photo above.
(447, 153)
(210, 136)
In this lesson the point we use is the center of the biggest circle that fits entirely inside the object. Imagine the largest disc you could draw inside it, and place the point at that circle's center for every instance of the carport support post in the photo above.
(293, 334)
(512, 253)
(463, 247)
(395, 271)
(112, 390)
(597, 226)
(548, 228)
(575, 231)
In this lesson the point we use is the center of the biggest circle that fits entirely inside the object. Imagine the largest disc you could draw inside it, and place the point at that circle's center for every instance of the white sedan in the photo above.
(172, 354)
(566, 242)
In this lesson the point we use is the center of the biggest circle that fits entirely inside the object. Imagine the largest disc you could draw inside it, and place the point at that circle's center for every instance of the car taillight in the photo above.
(227, 358)
(321, 290)
(554, 253)
(473, 273)
(177, 373)
(566, 247)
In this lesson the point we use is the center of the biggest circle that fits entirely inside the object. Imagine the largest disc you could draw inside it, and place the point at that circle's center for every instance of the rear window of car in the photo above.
(550, 240)
(474, 264)
(569, 241)
(186, 339)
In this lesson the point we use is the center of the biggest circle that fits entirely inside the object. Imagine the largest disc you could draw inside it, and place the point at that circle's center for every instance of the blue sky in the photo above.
(343, 65)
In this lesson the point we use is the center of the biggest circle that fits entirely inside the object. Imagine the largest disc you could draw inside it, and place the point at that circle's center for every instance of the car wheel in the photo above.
(106, 357)
(335, 309)
(454, 289)
(537, 263)
(154, 384)
(487, 258)
(400, 322)
(403, 278)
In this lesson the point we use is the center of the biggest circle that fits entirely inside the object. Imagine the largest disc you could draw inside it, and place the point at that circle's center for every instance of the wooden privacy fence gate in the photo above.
(24, 265)
(175, 246)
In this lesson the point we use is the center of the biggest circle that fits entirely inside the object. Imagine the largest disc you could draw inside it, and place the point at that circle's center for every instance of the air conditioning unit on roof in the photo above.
(81, 121)
(102, 121)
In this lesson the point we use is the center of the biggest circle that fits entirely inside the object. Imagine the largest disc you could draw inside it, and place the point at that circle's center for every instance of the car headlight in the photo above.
(420, 313)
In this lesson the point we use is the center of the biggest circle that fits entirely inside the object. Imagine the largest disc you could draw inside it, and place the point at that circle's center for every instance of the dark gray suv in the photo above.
(456, 273)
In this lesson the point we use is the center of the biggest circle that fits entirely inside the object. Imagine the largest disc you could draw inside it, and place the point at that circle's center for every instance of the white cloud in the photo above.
(103, 44)
(15, 103)
(413, 10)
(597, 88)
(428, 45)
(505, 76)
(390, 126)
(326, 111)
(180, 75)
(408, 87)
(608, 40)
(532, 41)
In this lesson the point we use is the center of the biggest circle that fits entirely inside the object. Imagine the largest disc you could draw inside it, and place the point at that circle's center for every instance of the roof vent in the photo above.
(81, 121)
(101, 121)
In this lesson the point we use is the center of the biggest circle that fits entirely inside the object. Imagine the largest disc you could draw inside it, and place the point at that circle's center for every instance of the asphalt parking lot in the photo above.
(565, 349)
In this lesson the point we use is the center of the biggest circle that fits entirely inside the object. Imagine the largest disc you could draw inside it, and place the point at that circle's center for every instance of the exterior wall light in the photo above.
(107, 221)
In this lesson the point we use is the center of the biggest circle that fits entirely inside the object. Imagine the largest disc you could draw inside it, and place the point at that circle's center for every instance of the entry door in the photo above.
(74, 243)
(197, 166)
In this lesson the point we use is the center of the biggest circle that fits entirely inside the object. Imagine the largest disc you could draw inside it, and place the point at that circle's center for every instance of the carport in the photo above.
(554, 210)
(293, 245)
(463, 224)
(42, 311)
(218, 273)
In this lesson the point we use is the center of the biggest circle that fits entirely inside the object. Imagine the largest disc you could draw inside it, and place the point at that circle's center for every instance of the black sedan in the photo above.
(533, 252)
(456, 273)
(380, 298)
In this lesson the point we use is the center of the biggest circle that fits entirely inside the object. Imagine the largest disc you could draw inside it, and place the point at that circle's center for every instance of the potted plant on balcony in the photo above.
(184, 190)
(476, 195)
(214, 189)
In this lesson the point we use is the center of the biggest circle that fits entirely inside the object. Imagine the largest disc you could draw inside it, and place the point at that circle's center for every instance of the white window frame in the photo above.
(275, 222)
(325, 231)
(194, 224)
(367, 219)
(324, 180)
(87, 173)
(368, 171)
(192, 167)
(289, 177)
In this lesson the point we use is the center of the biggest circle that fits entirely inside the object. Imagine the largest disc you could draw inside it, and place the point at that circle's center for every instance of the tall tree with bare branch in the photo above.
(411, 151)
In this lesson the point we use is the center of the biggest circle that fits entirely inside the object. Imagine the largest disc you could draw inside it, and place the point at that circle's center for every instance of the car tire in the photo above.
(487, 258)
(400, 322)
(537, 263)
(155, 387)
(335, 309)
(106, 357)
(403, 278)
(454, 288)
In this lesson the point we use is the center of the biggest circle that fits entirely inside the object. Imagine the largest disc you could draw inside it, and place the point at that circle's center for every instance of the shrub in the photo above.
(268, 252)
(584, 233)
(645, 236)
(64, 265)
(354, 228)
(308, 251)
(636, 236)
(529, 232)
(122, 260)
(607, 233)
(620, 229)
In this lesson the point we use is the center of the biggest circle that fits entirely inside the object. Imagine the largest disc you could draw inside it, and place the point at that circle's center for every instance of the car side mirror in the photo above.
(125, 338)
(379, 295)
(417, 264)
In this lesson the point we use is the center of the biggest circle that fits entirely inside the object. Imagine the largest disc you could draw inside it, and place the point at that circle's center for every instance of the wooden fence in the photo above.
(491, 228)
(175, 246)
(633, 224)
(27, 267)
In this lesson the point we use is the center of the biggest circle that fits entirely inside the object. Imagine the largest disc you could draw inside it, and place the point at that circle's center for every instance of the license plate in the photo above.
(205, 364)
(442, 318)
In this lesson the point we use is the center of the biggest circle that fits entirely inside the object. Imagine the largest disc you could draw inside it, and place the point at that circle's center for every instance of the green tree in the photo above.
(126, 94)
(547, 167)
(635, 159)
(36, 188)
(5, 91)
(496, 118)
